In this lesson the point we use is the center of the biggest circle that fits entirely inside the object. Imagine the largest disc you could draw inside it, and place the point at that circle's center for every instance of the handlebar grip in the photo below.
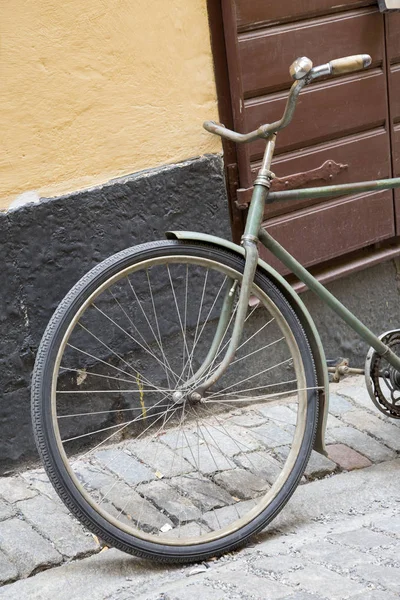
(350, 63)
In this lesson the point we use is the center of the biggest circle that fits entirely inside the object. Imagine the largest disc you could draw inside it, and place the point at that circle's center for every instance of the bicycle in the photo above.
(174, 416)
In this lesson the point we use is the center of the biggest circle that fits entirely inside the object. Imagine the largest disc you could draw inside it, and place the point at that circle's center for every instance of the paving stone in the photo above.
(333, 422)
(273, 436)
(29, 550)
(251, 585)
(206, 458)
(378, 428)
(184, 591)
(125, 466)
(329, 554)
(381, 575)
(160, 458)
(203, 493)
(363, 443)
(249, 418)
(8, 571)
(358, 394)
(192, 529)
(376, 595)
(262, 464)
(347, 458)
(6, 510)
(241, 484)
(339, 405)
(168, 499)
(363, 538)
(115, 495)
(318, 465)
(221, 517)
(319, 580)
(229, 439)
(52, 522)
(388, 524)
(281, 415)
(302, 596)
(14, 489)
(279, 564)
(40, 482)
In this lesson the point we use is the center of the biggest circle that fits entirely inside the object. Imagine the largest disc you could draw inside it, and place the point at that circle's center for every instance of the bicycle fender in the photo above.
(302, 314)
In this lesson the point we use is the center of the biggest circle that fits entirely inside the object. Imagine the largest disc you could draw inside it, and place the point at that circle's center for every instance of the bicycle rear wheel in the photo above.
(133, 458)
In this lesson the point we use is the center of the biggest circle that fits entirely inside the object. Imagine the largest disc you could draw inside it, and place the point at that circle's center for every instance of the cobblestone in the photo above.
(8, 571)
(161, 459)
(339, 405)
(50, 519)
(202, 492)
(363, 539)
(363, 443)
(6, 510)
(388, 525)
(347, 458)
(378, 428)
(14, 489)
(167, 498)
(379, 574)
(337, 538)
(325, 582)
(29, 550)
(241, 483)
(125, 466)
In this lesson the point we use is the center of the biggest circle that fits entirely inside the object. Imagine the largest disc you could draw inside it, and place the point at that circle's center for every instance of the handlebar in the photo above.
(303, 72)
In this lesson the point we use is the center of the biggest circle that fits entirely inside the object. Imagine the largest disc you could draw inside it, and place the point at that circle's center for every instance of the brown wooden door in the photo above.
(352, 120)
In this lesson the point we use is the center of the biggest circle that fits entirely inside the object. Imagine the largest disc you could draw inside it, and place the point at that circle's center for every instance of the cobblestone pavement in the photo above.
(339, 536)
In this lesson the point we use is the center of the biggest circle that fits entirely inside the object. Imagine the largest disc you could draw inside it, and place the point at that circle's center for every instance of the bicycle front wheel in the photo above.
(132, 456)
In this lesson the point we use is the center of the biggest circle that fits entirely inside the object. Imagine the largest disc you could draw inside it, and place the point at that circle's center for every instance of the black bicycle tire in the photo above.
(42, 424)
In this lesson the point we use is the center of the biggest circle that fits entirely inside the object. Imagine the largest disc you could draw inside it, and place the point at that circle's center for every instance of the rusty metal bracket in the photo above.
(325, 173)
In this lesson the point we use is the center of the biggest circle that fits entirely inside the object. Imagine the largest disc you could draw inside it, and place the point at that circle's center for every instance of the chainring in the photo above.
(383, 380)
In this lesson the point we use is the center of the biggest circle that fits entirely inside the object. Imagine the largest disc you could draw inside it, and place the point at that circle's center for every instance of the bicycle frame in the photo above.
(254, 234)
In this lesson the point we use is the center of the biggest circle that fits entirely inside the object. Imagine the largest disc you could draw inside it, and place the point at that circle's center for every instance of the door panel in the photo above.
(343, 119)
(363, 156)
(324, 111)
(265, 56)
(393, 49)
(253, 13)
(333, 229)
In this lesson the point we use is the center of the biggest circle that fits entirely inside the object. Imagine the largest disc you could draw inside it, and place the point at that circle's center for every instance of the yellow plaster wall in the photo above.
(96, 89)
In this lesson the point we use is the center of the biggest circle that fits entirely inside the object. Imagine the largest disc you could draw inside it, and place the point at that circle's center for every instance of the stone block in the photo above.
(160, 458)
(49, 518)
(388, 433)
(262, 464)
(169, 500)
(6, 510)
(221, 517)
(362, 538)
(347, 458)
(14, 489)
(29, 550)
(202, 492)
(362, 443)
(319, 580)
(8, 571)
(241, 484)
(125, 466)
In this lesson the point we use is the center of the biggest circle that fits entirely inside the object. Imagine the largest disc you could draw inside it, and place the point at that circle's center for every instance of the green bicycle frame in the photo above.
(254, 234)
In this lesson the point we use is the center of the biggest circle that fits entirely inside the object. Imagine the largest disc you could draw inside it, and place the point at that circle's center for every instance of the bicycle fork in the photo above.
(249, 241)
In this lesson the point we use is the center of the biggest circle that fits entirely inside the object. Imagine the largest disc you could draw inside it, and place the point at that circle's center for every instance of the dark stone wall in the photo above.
(47, 247)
